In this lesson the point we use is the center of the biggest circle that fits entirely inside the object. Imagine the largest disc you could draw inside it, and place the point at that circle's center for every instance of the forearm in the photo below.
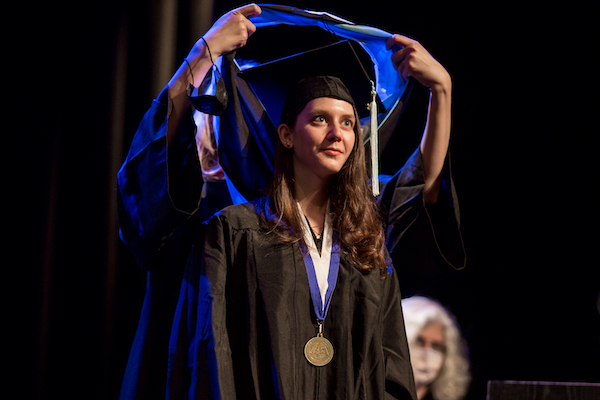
(229, 33)
(191, 72)
(436, 138)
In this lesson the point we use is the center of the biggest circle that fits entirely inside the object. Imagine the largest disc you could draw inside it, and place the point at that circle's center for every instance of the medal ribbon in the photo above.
(328, 262)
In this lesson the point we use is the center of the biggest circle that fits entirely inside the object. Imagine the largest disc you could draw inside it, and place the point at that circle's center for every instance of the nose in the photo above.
(335, 132)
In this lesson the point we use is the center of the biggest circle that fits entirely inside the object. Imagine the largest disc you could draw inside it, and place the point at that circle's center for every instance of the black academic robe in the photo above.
(424, 240)
(245, 314)
(161, 210)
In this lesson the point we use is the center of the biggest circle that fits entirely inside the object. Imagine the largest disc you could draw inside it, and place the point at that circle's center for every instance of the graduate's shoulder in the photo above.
(243, 216)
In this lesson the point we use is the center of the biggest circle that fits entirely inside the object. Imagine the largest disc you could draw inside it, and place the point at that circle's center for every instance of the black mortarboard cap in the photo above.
(311, 88)
(271, 81)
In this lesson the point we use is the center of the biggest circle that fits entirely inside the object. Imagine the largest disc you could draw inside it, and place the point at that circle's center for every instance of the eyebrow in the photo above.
(319, 111)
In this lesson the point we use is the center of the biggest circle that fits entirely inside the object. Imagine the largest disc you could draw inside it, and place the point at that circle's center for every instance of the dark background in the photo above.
(523, 155)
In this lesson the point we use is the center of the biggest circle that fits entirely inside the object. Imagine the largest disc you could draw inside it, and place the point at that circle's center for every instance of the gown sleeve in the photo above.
(159, 186)
(399, 380)
(199, 351)
(424, 241)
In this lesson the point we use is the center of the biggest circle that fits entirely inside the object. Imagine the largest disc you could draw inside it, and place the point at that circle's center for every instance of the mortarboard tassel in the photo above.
(374, 138)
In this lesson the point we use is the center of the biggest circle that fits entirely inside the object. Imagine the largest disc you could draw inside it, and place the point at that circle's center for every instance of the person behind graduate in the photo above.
(159, 227)
(160, 187)
(438, 352)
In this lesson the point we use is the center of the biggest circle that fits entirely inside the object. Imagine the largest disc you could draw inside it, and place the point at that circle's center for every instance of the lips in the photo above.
(332, 151)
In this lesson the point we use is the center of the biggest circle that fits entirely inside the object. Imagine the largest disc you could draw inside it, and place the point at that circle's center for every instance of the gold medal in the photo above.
(322, 271)
(318, 350)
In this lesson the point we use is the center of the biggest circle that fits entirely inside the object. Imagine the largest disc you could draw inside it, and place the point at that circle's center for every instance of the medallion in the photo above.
(322, 271)
(318, 351)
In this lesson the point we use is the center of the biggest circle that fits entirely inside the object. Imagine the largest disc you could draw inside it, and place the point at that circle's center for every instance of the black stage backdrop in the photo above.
(523, 153)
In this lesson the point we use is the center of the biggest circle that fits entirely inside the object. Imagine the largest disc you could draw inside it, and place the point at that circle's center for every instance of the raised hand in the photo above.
(414, 60)
(232, 30)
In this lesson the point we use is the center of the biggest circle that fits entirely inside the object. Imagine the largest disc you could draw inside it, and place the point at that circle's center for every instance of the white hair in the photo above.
(454, 378)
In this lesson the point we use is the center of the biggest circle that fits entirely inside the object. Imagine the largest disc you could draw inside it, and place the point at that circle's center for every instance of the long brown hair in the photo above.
(355, 213)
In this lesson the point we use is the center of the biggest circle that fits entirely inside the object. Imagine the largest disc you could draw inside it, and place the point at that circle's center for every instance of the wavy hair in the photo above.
(454, 378)
(355, 213)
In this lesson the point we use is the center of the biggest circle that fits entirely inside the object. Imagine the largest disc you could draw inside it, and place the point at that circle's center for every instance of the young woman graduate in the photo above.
(249, 306)
(292, 295)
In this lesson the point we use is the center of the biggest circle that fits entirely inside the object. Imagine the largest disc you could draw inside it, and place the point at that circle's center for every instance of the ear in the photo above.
(286, 136)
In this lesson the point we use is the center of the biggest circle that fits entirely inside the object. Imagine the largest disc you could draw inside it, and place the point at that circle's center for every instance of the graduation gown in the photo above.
(161, 210)
(245, 314)
(424, 240)
(161, 207)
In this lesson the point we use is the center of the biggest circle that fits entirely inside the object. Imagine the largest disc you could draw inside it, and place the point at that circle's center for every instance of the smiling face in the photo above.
(322, 137)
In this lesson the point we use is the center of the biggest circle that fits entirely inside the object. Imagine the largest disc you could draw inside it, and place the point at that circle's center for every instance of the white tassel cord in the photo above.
(374, 138)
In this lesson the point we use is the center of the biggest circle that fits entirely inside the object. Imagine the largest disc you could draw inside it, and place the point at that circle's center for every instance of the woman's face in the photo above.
(323, 137)
(427, 353)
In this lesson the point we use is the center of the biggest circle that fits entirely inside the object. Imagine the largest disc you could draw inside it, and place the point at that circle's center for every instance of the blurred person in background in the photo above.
(437, 350)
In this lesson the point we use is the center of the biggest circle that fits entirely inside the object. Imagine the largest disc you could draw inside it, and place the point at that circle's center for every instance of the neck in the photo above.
(313, 202)
(422, 391)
